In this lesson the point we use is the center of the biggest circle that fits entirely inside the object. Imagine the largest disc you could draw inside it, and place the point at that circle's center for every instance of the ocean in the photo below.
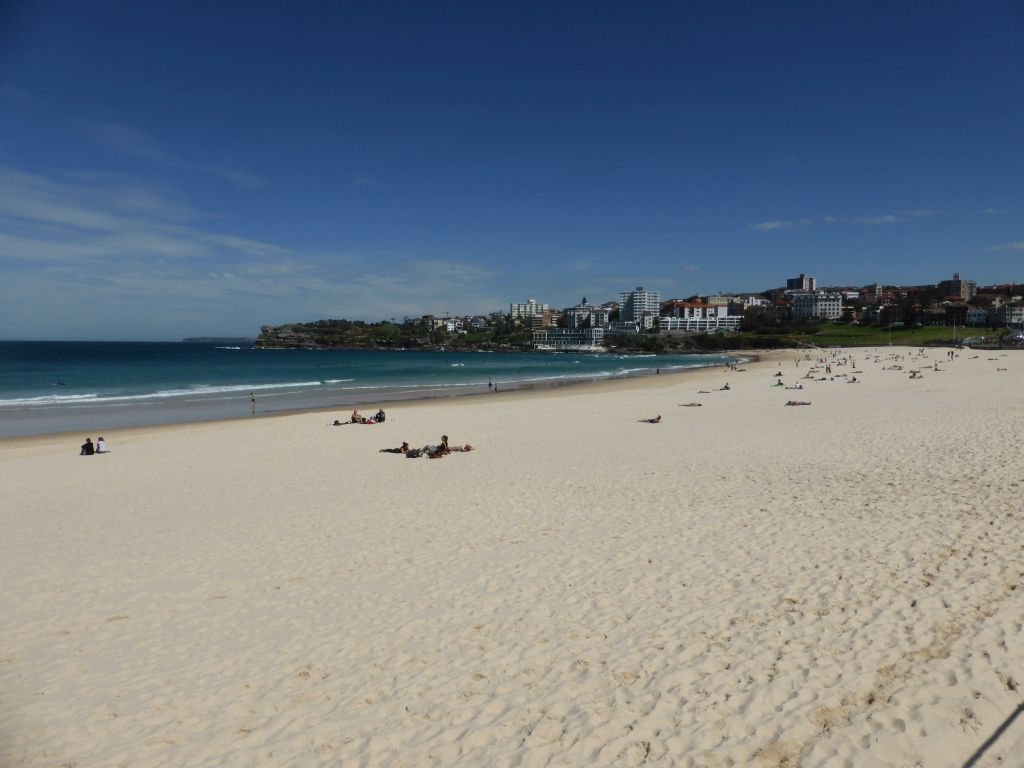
(60, 386)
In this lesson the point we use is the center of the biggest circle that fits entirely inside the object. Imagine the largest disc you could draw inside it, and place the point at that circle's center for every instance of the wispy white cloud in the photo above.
(126, 141)
(578, 265)
(690, 268)
(131, 142)
(1018, 246)
(888, 218)
(901, 217)
(993, 211)
(779, 226)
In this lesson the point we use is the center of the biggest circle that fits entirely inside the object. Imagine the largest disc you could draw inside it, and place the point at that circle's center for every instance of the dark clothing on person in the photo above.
(88, 449)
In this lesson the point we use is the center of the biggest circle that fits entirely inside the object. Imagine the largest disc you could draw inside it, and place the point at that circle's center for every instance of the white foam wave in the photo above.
(49, 400)
(195, 389)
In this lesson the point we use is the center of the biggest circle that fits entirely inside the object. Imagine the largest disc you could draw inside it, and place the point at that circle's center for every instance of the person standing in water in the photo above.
(252, 397)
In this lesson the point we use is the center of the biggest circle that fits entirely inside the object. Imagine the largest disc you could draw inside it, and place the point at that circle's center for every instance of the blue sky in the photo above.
(195, 168)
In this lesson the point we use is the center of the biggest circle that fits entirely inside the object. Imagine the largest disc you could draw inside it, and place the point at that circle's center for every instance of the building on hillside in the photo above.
(1009, 314)
(567, 339)
(822, 305)
(586, 315)
(628, 327)
(962, 289)
(802, 283)
(977, 316)
(640, 306)
(530, 309)
(546, 319)
(871, 293)
(691, 317)
(720, 301)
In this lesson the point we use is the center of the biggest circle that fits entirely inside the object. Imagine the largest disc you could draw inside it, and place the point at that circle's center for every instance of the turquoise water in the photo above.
(47, 382)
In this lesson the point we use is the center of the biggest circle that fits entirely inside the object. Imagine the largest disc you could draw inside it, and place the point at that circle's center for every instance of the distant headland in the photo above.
(218, 340)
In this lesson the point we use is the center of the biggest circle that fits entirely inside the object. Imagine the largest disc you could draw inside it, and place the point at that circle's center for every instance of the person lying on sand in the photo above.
(797, 402)
(691, 405)
(655, 420)
(404, 448)
(439, 450)
(463, 448)
(798, 385)
(778, 383)
(703, 391)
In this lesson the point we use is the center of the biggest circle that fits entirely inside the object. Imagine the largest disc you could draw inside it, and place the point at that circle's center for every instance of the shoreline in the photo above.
(138, 416)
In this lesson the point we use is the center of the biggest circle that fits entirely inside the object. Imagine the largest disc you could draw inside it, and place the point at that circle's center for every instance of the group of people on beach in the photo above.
(436, 451)
(88, 448)
(432, 451)
(358, 418)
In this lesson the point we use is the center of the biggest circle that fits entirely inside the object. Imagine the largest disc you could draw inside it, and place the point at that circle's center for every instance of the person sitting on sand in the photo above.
(726, 388)
(797, 402)
(101, 445)
(379, 418)
(655, 420)
(691, 405)
(778, 383)
(88, 449)
(404, 448)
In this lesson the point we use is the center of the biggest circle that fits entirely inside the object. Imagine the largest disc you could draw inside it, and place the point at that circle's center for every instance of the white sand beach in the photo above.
(744, 583)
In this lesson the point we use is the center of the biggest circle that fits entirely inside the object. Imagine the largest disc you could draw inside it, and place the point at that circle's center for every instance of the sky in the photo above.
(195, 168)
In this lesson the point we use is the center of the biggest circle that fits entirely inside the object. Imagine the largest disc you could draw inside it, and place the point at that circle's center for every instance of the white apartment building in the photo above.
(634, 305)
(817, 304)
(530, 309)
(699, 318)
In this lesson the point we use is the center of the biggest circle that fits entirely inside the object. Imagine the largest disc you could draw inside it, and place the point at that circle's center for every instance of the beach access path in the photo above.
(743, 583)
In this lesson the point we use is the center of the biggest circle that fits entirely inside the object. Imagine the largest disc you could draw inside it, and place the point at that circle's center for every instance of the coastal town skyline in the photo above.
(194, 170)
